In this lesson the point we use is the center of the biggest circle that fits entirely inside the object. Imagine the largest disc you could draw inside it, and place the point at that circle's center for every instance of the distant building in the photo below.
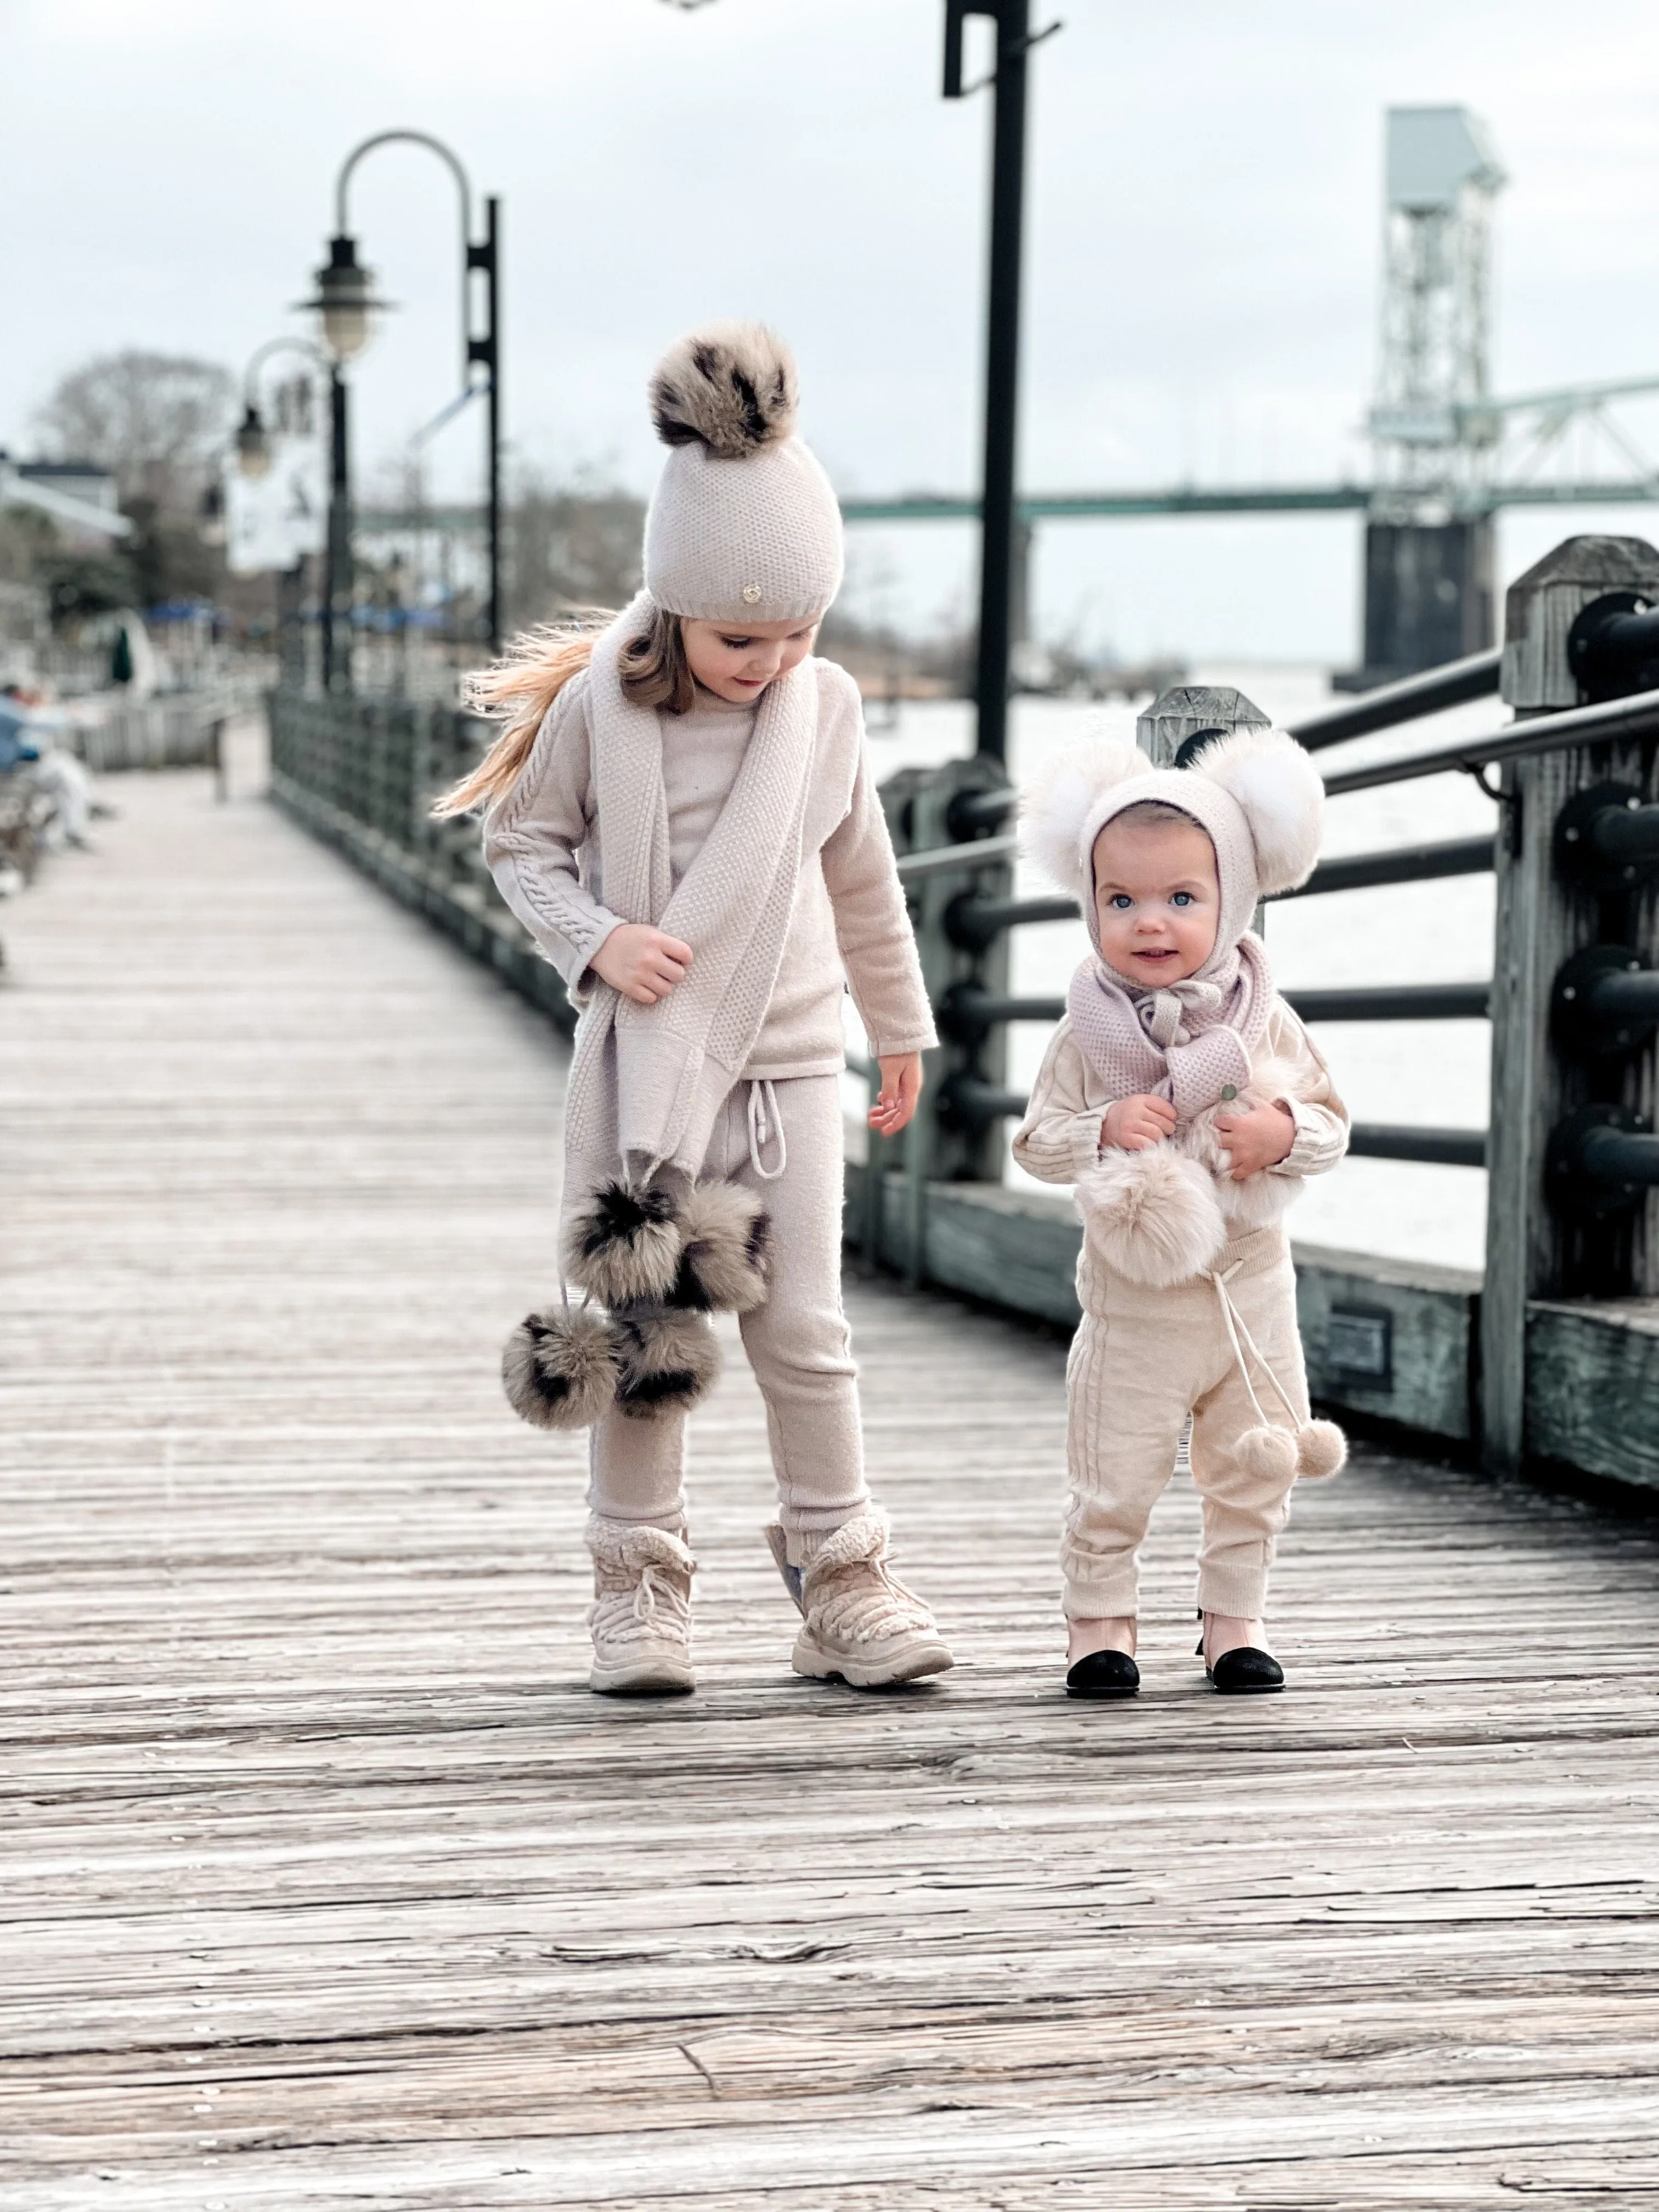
(87, 481)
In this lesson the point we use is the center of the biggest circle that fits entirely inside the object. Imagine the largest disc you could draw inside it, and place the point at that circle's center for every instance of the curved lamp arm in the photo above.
(462, 185)
(263, 354)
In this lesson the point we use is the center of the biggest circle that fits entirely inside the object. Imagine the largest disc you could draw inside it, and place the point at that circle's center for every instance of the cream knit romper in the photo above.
(1145, 1360)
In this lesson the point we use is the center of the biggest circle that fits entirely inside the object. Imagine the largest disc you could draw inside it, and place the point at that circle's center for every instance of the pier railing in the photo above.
(1551, 1353)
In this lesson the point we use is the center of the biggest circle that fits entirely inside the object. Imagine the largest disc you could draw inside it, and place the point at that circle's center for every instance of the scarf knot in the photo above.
(1190, 1042)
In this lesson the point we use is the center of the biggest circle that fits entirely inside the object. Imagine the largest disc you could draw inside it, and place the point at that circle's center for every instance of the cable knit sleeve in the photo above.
(1060, 1137)
(536, 840)
(1321, 1118)
(873, 927)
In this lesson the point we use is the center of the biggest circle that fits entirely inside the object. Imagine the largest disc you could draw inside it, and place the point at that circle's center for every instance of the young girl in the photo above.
(682, 813)
(1183, 1099)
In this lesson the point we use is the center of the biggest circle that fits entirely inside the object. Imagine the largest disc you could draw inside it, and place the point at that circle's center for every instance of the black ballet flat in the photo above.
(1103, 1674)
(1244, 1671)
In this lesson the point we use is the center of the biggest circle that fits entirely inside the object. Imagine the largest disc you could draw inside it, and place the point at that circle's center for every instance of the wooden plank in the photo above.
(328, 1882)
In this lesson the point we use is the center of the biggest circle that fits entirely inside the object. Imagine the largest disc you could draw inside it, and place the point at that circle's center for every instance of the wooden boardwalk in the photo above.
(327, 1884)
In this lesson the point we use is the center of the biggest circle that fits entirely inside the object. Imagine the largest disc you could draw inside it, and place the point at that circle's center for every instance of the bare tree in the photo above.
(157, 421)
(571, 545)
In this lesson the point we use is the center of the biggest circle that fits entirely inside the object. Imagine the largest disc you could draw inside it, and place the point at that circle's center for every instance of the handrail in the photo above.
(1398, 864)
(1429, 692)
(1635, 717)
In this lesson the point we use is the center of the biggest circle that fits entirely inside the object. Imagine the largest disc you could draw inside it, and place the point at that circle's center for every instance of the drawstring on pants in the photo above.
(763, 1119)
(1234, 1322)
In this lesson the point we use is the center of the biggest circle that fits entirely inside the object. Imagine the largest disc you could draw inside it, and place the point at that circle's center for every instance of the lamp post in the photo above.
(254, 458)
(345, 301)
(998, 524)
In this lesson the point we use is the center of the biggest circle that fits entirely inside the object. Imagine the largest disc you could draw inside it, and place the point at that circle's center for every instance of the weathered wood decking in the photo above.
(325, 1882)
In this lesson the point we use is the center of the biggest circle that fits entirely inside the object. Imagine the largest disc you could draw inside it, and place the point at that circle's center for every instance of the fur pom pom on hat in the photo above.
(744, 525)
(730, 386)
(1255, 794)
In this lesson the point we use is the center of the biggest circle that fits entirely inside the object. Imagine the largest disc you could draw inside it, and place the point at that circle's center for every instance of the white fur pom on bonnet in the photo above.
(744, 525)
(1256, 794)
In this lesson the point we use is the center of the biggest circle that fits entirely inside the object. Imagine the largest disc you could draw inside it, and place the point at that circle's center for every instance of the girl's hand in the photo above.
(900, 1087)
(642, 963)
(1135, 1124)
(1258, 1139)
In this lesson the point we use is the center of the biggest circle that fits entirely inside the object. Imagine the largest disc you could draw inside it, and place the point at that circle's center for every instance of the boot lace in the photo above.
(640, 1606)
(863, 1602)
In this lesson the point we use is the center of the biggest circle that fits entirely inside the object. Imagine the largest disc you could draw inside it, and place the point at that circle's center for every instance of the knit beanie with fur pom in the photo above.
(743, 525)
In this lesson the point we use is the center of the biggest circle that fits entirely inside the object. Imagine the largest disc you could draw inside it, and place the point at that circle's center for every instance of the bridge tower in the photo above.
(1429, 537)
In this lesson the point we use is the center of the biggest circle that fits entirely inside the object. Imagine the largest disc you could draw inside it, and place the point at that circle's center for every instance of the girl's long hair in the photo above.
(518, 690)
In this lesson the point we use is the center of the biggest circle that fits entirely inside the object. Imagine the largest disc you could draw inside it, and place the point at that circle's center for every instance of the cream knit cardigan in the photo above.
(647, 1082)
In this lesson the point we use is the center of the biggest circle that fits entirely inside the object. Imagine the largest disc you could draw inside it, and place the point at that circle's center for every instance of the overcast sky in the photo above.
(1202, 234)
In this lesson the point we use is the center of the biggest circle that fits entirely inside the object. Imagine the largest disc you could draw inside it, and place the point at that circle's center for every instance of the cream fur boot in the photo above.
(859, 1621)
(641, 1618)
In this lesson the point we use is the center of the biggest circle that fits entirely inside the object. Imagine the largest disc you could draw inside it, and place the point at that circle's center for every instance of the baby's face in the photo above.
(1158, 898)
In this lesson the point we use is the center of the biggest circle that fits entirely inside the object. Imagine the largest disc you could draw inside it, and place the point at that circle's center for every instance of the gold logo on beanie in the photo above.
(750, 593)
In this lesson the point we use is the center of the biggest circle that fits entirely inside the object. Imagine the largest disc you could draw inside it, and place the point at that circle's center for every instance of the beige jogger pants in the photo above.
(1141, 1361)
(798, 1342)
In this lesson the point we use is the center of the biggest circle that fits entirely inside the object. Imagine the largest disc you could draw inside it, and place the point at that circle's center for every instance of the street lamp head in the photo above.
(345, 300)
(252, 446)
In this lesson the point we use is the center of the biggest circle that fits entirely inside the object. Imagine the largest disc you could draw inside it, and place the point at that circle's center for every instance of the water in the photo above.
(1424, 1072)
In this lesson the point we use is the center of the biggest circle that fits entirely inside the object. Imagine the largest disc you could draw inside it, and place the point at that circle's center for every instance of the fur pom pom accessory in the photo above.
(1322, 1450)
(667, 1359)
(730, 386)
(559, 1368)
(1151, 1216)
(1281, 795)
(1267, 1455)
(1057, 804)
(623, 1246)
(727, 1233)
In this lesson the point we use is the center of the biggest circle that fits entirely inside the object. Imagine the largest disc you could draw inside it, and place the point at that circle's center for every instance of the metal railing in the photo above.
(974, 920)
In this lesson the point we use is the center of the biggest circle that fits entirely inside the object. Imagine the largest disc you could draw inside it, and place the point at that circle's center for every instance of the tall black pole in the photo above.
(337, 578)
(487, 350)
(493, 356)
(996, 587)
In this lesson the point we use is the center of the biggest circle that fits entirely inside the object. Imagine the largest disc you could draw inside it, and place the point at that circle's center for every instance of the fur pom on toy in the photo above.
(1322, 1450)
(1056, 804)
(1152, 1215)
(1281, 795)
(559, 1368)
(667, 1359)
(622, 1246)
(730, 386)
(1267, 1455)
(727, 1233)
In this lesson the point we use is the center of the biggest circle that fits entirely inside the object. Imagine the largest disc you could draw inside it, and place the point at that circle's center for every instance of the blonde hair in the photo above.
(519, 689)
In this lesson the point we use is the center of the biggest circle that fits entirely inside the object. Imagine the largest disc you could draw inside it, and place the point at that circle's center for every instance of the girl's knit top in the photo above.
(848, 915)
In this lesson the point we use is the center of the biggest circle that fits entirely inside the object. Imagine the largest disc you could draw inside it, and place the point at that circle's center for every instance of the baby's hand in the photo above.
(642, 963)
(1258, 1139)
(1135, 1124)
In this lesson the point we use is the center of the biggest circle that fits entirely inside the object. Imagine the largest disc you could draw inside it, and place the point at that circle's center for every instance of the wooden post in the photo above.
(1193, 710)
(1530, 1252)
(937, 1146)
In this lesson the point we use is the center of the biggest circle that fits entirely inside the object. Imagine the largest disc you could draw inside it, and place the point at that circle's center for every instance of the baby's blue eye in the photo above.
(1181, 898)
(1119, 900)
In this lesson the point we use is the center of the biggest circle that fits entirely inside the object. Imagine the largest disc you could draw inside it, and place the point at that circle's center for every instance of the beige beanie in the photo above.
(744, 525)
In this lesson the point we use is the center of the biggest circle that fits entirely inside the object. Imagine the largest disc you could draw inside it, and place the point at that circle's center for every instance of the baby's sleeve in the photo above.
(1060, 1138)
(1321, 1118)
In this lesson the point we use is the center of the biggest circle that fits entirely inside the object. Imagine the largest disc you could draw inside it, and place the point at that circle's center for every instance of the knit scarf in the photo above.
(1190, 1042)
(646, 1082)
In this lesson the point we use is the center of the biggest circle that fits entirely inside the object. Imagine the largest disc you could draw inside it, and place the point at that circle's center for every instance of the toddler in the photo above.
(1183, 1099)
